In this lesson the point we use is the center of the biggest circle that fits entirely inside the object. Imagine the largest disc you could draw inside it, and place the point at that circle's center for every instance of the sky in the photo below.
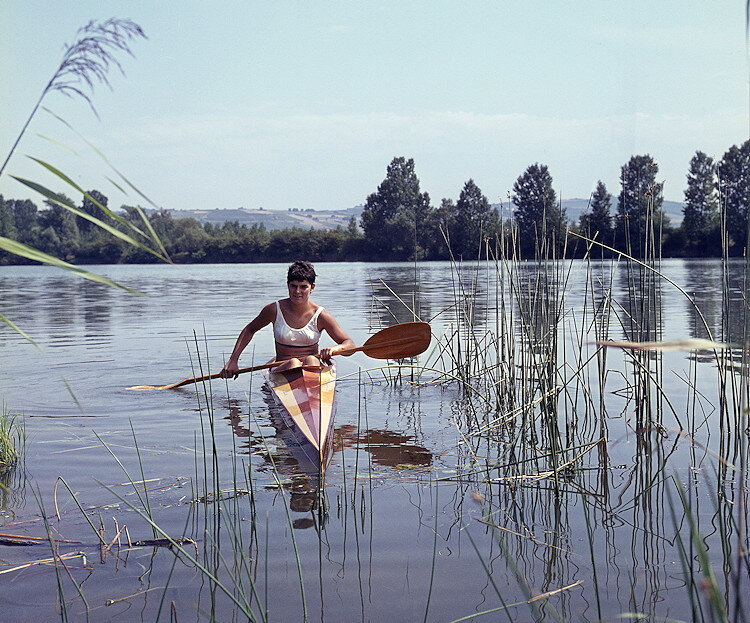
(294, 104)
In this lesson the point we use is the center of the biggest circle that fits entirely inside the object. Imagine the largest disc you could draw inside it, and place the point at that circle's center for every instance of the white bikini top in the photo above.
(309, 335)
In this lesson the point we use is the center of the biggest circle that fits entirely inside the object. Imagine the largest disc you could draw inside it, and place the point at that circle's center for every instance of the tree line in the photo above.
(399, 222)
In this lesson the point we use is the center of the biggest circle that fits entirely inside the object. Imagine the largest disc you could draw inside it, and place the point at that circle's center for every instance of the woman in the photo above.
(297, 345)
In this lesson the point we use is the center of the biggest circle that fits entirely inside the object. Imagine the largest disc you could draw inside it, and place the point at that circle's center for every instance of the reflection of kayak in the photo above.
(305, 397)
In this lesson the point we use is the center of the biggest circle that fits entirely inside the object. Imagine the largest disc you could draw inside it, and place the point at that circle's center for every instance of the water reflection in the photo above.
(12, 489)
(703, 283)
(97, 310)
(602, 524)
(396, 299)
(302, 479)
(387, 448)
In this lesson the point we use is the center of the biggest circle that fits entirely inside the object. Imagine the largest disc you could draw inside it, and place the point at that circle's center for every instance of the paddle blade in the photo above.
(400, 341)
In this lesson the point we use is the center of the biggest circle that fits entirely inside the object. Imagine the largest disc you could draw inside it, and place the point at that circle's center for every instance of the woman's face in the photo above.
(299, 291)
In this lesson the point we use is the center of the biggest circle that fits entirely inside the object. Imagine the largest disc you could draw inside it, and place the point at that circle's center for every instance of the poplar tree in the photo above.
(734, 190)
(639, 203)
(89, 207)
(538, 215)
(598, 221)
(473, 220)
(395, 219)
(700, 215)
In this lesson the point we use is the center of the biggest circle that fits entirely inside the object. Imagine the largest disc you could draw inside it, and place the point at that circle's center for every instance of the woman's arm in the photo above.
(343, 341)
(266, 316)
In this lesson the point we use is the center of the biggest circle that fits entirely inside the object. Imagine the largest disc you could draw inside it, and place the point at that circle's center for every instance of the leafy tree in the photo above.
(188, 240)
(60, 235)
(352, 241)
(26, 219)
(598, 221)
(89, 207)
(472, 220)
(7, 227)
(235, 242)
(700, 220)
(639, 203)
(352, 229)
(734, 188)
(396, 217)
(538, 215)
(7, 219)
(441, 227)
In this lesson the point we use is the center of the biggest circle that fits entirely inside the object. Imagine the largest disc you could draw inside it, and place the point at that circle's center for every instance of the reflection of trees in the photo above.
(60, 309)
(703, 282)
(66, 305)
(387, 448)
(641, 316)
(640, 301)
(539, 288)
(538, 298)
(396, 297)
(719, 291)
(97, 307)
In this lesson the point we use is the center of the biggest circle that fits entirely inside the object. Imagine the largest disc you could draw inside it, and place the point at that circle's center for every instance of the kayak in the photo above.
(304, 397)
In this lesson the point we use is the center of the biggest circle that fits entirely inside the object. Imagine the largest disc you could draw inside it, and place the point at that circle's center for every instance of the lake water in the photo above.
(421, 516)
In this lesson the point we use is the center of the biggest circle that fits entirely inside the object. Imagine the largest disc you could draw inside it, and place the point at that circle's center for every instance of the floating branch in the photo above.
(690, 344)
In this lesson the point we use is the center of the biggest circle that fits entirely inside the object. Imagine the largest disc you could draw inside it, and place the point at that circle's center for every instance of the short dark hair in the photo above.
(301, 271)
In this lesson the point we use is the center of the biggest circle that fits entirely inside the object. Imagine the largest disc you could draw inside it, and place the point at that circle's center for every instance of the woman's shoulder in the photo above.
(325, 318)
(269, 311)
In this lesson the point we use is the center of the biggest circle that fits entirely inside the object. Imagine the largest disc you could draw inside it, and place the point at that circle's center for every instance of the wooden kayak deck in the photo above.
(305, 396)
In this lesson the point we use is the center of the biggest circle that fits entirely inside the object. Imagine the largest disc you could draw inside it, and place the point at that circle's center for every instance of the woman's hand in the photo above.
(326, 354)
(230, 370)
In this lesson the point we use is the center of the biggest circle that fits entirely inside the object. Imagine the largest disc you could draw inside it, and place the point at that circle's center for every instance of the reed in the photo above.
(85, 62)
(534, 390)
(12, 440)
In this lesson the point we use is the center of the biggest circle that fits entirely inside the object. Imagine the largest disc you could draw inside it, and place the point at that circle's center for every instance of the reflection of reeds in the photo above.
(535, 390)
(12, 442)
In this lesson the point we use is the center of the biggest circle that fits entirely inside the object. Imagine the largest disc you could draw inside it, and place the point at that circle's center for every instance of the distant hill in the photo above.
(575, 207)
(330, 219)
(274, 219)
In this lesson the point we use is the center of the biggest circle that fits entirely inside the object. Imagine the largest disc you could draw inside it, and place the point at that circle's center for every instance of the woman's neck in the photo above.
(299, 307)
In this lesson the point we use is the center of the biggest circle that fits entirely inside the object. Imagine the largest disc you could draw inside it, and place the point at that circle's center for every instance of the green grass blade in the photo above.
(115, 184)
(152, 231)
(122, 177)
(54, 170)
(51, 196)
(59, 144)
(17, 248)
(18, 330)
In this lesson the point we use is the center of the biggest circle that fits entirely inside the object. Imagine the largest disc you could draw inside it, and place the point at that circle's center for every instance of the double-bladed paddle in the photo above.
(397, 342)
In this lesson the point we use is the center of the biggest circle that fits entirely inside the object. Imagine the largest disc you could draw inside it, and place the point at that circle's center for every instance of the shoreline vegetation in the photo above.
(399, 222)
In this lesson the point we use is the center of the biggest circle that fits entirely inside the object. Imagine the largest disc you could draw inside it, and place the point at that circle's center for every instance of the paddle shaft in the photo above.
(373, 345)
(272, 364)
